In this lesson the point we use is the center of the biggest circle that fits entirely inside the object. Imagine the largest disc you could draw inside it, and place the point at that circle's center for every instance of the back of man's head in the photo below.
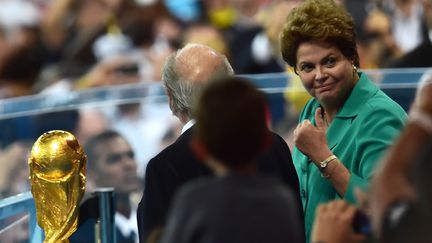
(187, 70)
(231, 119)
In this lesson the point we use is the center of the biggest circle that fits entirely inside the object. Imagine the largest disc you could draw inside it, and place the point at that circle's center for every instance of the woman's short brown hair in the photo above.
(321, 20)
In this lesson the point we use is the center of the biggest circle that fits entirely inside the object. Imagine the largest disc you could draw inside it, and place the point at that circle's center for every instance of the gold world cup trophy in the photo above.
(57, 176)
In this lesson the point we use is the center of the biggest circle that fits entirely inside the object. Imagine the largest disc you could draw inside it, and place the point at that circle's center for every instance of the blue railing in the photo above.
(271, 83)
(21, 204)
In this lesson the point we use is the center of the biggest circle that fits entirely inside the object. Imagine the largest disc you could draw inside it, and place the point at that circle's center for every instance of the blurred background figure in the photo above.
(69, 40)
(407, 23)
(111, 163)
(400, 196)
(22, 47)
(417, 56)
(15, 171)
(14, 179)
(228, 145)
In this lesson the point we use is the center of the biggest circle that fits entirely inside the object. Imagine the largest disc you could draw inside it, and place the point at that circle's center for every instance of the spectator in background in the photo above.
(228, 144)
(295, 95)
(14, 180)
(206, 34)
(111, 163)
(143, 124)
(377, 46)
(102, 29)
(407, 23)
(419, 56)
(68, 26)
(23, 49)
(349, 122)
(272, 18)
(244, 35)
(15, 172)
(184, 74)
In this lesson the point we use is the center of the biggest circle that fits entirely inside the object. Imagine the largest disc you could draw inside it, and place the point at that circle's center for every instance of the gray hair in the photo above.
(184, 91)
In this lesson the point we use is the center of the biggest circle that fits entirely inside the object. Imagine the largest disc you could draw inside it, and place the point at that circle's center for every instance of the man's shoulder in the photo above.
(177, 151)
(277, 138)
(179, 159)
(278, 144)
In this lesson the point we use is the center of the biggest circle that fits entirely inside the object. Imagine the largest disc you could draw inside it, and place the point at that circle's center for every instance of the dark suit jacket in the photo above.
(176, 165)
(85, 233)
(417, 58)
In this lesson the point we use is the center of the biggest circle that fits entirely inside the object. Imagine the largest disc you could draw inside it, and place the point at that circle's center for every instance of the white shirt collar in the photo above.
(127, 225)
(188, 125)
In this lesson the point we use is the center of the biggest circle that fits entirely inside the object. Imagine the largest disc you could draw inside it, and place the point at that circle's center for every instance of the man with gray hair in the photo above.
(185, 72)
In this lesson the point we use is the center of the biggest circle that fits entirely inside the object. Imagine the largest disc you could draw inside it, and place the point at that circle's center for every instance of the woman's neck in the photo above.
(329, 114)
(330, 110)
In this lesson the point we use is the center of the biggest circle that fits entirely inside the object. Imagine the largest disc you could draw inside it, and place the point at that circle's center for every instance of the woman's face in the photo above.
(325, 72)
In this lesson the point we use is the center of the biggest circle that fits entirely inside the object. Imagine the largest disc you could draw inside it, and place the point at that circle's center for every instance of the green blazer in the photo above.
(362, 130)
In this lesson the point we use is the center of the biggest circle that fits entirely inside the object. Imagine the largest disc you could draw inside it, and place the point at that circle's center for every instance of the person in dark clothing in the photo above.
(184, 74)
(111, 163)
(260, 208)
(419, 56)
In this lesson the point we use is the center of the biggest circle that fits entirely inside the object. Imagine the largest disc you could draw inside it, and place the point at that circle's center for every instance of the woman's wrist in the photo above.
(320, 156)
(330, 169)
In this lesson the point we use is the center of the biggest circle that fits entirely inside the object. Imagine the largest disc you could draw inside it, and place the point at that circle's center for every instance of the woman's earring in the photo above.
(354, 69)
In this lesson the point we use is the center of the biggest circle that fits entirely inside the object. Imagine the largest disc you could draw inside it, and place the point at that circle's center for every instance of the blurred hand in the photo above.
(423, 100)
(105, 73)
(311, 140)
(363, 200)
(334, 223)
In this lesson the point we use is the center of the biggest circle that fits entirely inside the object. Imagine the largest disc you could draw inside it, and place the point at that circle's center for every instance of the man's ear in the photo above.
(199, 149)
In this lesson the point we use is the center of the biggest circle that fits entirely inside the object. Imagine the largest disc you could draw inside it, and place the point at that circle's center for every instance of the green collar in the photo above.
(361, 93)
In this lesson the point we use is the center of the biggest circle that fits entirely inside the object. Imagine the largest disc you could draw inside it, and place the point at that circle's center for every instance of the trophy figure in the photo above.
(57, 176)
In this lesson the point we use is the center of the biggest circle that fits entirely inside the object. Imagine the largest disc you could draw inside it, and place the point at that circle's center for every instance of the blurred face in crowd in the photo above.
(427, 8)
(206, 35)
(325, 72)
(116, 166)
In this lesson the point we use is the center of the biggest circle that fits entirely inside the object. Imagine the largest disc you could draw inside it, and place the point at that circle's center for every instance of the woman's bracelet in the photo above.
(422, 119)
(328, 175)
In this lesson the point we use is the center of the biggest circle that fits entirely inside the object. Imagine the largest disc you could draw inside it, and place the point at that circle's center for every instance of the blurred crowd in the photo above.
(66, 45)
(57, 46)
(69, 44)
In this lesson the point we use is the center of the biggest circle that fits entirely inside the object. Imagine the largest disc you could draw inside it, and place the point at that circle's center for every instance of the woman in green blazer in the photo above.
(349, 122)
